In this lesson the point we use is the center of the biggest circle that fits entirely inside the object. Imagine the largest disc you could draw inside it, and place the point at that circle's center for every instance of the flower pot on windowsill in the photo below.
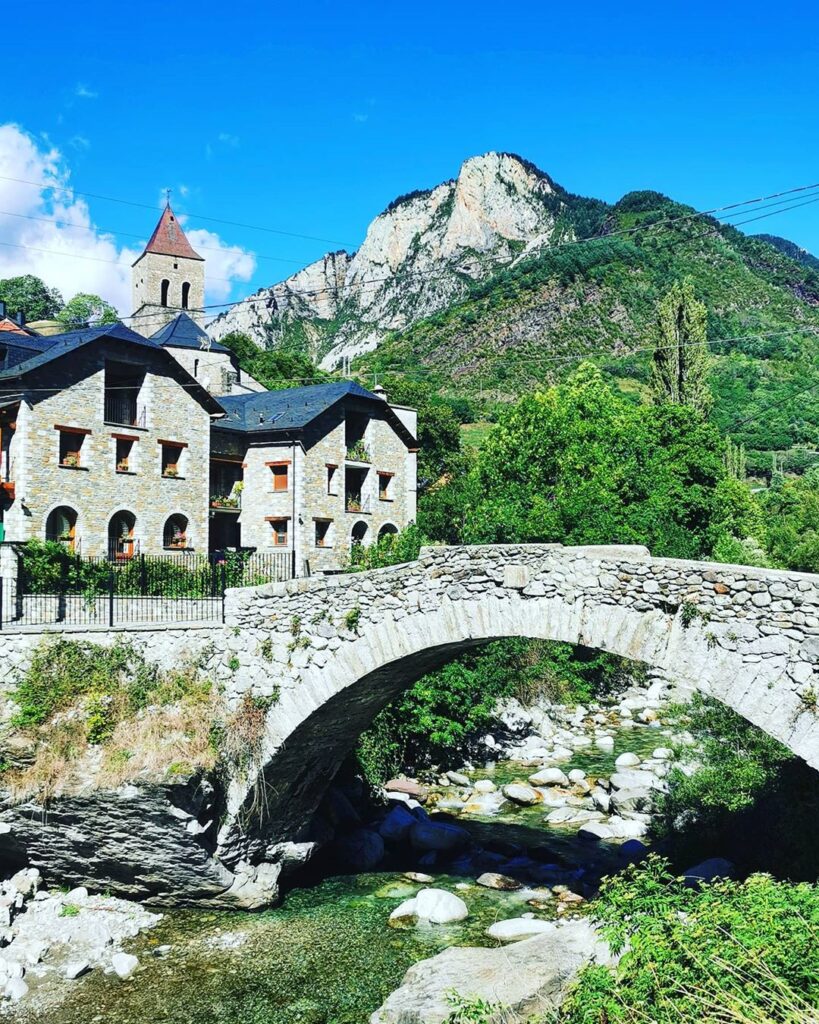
(171, 474)
(71, 462)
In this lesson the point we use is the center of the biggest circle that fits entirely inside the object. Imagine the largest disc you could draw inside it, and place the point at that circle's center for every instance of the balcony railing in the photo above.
(358, 452)
(123, 410)
(354, 502)
(226, 502)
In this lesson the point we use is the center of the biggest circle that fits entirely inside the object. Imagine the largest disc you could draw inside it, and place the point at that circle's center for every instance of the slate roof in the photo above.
(58, 345)
(169, 239)
(184, 332)
(292, 409)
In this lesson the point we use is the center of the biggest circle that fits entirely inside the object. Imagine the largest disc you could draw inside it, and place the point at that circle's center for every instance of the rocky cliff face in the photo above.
(418, 257)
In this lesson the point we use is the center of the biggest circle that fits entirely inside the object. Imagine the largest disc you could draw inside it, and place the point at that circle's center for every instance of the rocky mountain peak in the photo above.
(417, 257)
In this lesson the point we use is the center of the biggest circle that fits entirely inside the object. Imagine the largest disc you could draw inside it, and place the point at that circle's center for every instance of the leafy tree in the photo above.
(84, 309)
(29, 295)
(792, 513)
(681, 360)
(275, 368)
(391, 549)
(439, 430)
(579, 464)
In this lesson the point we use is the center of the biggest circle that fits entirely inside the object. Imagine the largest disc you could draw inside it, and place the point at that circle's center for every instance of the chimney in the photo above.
(379, 392)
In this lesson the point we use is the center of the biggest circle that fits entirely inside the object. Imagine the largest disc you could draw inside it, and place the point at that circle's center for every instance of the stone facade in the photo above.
(95, 490)
(316, 510)
(150, 270)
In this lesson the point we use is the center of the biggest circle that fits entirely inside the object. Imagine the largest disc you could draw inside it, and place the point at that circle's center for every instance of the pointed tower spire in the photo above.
(169, 239)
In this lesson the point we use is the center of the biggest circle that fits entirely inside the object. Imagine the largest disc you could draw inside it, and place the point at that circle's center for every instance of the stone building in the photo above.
(118, 441)
(169, 276)
(312, 471)
(105, 440)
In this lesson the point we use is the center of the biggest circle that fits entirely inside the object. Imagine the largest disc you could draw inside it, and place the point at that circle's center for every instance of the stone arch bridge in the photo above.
(337, 649)
(332, 651)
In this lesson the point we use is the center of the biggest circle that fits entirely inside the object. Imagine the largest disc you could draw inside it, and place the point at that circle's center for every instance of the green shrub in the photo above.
(730, 951)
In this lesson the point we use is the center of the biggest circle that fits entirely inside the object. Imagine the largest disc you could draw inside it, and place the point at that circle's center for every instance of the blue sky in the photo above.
(309, 119)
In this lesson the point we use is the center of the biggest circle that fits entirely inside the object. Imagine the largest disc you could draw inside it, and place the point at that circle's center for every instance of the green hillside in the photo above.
(530, 324)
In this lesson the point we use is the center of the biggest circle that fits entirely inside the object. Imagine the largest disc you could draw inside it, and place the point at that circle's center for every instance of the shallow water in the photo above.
(325, 956)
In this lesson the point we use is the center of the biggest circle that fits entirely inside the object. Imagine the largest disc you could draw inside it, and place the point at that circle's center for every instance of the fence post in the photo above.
(1, 602)
(143, 577)
(110, 595)
(62, 590)
(223, 589)
(20, 588)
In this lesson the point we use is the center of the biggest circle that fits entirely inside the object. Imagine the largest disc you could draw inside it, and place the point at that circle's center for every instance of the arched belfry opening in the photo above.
(186, 294)
(163, 291)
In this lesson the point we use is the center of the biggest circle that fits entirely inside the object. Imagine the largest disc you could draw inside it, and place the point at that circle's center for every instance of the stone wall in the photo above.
(96, 490)
(339, 648)
(334, 650)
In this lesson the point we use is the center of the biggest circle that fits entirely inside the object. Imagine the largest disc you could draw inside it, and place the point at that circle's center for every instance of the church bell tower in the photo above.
(167, 278)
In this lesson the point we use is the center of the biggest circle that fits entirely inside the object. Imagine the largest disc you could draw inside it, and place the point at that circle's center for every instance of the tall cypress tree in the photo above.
(681, 359)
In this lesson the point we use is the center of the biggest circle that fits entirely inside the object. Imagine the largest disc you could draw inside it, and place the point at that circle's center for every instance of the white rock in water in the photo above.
(75, 969)
(485, 786)
(418, 876)
(518, 928)
(663, 754)
(520, 794)
(627, 828)
(577, 775)
(595, 830)
(124, 964)
(627, 761)
(604, 742)
(493, 880)
(16, 989)
(458, 779)
(404, 910)
(439, 906)
(562, 754)
(549, 777)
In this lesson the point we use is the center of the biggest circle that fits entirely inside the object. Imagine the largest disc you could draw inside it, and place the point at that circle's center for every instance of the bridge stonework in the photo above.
(332, 651)
(335, 650)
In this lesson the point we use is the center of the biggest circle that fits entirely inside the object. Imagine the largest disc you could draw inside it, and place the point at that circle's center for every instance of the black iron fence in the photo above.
(58, 587)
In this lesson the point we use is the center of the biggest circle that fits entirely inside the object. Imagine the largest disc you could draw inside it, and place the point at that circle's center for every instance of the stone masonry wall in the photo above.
(147, 275)
(96, 491)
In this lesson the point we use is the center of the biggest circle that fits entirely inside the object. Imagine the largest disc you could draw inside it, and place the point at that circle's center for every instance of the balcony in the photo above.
(226, 502)
(357, 502)
(122, 410)
(358, 452)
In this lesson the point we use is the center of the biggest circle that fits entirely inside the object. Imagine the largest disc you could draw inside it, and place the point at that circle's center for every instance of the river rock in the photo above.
(528, 977)
(440, 907)
(16, 989)
(604, 742)
(630, 800)
(627, 828)
(361, 850)
(124, 965)
(513, 715)
(519, 928)
(418, 876)
(595, 831)
(549, 777)
(663, 754)
(396, 825)
(485, 786)
(518, 793)
(409, 787)
(573, 816)
(75, 969)
(635, 780)
(458, 779)
(627, 760)
(433, 836)
(484, 803)
(577, 775)
(708, 871)
(601, 799)
(493, 880)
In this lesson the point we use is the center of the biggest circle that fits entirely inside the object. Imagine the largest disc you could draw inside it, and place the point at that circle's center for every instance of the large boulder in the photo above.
(549, 777)
(437, 836)
(526, 977)
(519, 793)
(361, 850)
(708, 871)
(395, 827)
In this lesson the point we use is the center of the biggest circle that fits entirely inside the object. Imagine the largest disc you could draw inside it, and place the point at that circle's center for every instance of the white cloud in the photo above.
(52, 233)
(84, 93)
(229, 140)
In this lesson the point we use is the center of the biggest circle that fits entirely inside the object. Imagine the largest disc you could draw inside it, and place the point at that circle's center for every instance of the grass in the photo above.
(102, 716)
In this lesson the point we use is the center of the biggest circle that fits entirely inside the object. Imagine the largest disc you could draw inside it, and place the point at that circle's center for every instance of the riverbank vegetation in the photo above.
(94, 715)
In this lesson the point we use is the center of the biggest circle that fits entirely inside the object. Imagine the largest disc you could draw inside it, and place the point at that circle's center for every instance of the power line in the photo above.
(147, 206)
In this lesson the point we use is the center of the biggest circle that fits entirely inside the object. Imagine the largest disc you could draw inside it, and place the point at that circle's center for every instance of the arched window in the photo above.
(359, 532)
(175, 534)
(61, 526)
(186, 293)
(121, 543)
(387, 530)
(163, 291)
